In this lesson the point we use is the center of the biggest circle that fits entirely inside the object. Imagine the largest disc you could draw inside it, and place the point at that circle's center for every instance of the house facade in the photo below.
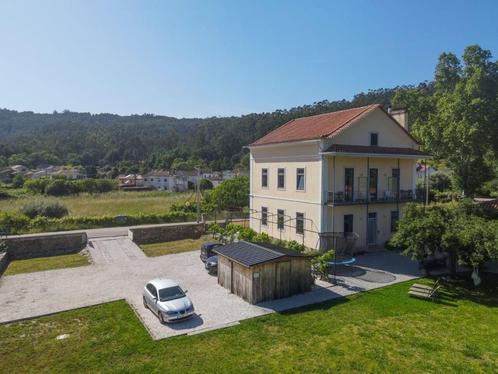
(164, 180)
(344, 174)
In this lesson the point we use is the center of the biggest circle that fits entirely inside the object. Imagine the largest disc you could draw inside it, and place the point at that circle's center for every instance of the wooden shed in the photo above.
(261, 272)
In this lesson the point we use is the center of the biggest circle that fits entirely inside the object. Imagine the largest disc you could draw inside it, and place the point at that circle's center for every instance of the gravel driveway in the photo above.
(120, 271)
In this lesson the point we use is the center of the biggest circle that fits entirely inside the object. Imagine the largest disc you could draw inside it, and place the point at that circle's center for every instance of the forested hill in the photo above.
(147, 141)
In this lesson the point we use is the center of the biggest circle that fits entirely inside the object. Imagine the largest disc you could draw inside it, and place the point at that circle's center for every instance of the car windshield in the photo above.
(171, 293)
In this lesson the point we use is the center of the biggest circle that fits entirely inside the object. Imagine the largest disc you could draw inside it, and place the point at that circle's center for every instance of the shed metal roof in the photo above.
(250, 254)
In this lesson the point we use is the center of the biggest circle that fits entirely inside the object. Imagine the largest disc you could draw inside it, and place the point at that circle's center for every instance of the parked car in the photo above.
(166, 299)
(207, 250)
(211, 265)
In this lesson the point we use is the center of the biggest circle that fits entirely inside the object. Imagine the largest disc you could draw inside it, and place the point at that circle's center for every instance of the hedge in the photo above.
(17, 223)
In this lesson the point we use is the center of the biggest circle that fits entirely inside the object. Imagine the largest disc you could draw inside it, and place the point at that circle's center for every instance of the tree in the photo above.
(231, 194)
(462, 128)
(18, 181)
(456, 230)
(205, 184)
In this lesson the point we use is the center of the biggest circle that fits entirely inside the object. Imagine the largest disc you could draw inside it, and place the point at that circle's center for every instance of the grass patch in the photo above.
(47, 263)
(177, 246)
(111, 203)
(382, 331)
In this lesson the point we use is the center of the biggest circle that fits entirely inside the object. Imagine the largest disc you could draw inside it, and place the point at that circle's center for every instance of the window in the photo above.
(374, 138)
(348, 184)
(281, 178)
(300, 223)
(152, 290)
(372, 190)
(300, 179)
(264, 178)
(395, 182)
(280, 219)
(264, 216)
(394, 220)
(348, 225)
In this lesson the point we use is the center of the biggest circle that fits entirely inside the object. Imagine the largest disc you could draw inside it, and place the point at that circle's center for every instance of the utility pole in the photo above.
(198, 194)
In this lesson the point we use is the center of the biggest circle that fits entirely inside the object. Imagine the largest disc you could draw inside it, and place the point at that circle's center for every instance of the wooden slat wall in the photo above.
(276, 280)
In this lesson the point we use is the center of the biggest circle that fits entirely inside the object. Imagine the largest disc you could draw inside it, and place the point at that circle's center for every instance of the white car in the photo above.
(167, 300)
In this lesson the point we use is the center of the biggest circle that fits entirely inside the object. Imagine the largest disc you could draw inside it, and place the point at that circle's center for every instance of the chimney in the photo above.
(400, 116)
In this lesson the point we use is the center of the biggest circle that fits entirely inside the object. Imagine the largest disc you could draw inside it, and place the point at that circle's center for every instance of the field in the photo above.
(47, 263)
(177, 246)
(110, 204)
(381, 331)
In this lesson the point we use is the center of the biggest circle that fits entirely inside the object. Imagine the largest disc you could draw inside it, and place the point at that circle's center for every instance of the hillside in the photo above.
(147, 141)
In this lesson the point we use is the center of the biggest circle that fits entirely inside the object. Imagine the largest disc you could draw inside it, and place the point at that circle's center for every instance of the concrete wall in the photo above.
(165, 233)
(44, 245)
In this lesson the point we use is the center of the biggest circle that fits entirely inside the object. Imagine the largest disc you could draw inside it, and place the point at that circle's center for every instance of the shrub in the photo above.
(52, 209)
(36, 186)
(13, 223)
(18, 181)
(262, 238)
(295, 246)
(205, 184)
(3, 246)
(321, 263)
(60, 187)
(4, 195)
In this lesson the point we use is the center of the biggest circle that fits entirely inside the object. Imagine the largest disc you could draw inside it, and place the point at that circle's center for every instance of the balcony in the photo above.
(374, 197)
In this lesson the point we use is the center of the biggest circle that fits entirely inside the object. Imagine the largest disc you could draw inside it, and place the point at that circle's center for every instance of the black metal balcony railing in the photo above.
(386, 196)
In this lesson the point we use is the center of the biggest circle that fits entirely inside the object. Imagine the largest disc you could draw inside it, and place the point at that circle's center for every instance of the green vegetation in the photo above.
(51, 209)
(112, 203)
(47, 263)
(459, 230)
(61, 186)
(176, 246)
(379, 331)
(455, 116)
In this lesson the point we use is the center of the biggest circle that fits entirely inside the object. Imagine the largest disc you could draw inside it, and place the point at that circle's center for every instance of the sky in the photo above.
(205, 58)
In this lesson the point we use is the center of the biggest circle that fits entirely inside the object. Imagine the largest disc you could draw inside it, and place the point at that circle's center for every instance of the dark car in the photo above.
(207, 250)
(211, 265)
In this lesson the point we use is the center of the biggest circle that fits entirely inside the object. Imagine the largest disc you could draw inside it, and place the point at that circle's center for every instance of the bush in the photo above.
(52, 209)
(13, 223)
(36, 186)
(4, 195)
(205, 184)
(295, 246)
(18, 181)
(3, 246)
(321, 263)
(262, 238)
(60, 187)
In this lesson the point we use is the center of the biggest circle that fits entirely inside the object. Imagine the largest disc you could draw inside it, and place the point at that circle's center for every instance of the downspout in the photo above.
(367, 198)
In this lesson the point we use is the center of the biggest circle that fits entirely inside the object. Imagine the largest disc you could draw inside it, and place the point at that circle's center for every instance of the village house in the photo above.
(345, 174)
(164, 180)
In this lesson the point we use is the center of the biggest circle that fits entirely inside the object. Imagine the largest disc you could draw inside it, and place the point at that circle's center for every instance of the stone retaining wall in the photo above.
(166, 233)
(44, 245)
(4, 262)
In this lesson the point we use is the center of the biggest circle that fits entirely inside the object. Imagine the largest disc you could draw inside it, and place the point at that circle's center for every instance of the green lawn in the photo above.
(379, 331)
(177, 246)
(47, 263)
(111, 203)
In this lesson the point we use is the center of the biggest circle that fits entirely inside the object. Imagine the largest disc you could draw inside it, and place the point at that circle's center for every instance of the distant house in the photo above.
(19, 169)
(69, 173)
(421, 170)
(165, 180)
(131, 181)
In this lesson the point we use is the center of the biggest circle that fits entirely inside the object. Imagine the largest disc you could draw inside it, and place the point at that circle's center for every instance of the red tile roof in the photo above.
(489, 204)
(346, 148)
(315, 127)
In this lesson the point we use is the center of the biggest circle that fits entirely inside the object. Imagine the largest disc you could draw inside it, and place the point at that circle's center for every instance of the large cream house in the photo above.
(340, 174)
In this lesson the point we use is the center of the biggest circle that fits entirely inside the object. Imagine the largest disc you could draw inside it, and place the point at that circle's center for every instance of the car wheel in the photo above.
(145, 303)
(161, 317)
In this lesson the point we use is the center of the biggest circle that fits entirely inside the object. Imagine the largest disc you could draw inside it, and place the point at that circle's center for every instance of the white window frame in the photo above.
(264, 224)
(285, 172)
(283, 220)
(267, 178)
(304, 176)
(304, 220)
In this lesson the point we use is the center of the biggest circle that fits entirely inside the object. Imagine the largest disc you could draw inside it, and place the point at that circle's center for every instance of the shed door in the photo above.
(282, 279)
